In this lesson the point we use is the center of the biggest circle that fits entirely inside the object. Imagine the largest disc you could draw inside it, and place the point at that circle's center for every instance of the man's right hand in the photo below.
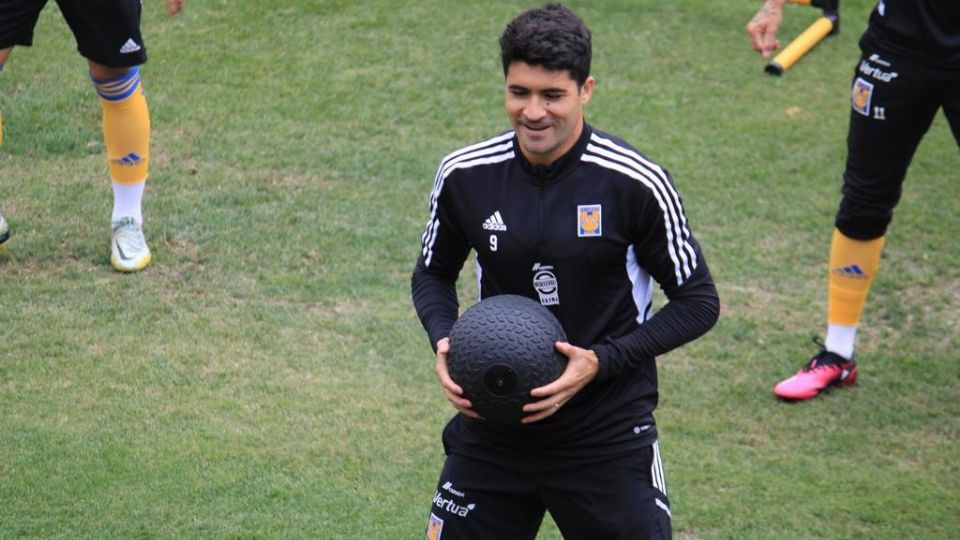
(451, 390)
(763, 27)
(174, 7)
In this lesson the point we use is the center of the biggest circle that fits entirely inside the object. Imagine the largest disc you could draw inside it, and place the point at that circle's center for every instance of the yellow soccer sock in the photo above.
(126, 126)
(853, 266)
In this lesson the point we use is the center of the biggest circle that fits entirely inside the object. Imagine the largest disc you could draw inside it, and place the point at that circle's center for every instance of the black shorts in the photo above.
(107, 31)
(618, 498)
(893, 102)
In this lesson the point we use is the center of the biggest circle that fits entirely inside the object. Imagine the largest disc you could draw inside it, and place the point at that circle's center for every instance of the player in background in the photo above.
(108, 36)
(908, 70)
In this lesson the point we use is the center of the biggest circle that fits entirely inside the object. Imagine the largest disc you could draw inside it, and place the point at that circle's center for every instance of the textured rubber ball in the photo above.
(500, 349)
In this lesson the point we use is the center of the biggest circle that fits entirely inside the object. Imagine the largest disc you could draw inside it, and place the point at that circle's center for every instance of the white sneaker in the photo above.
(4, 230)
(129, 251)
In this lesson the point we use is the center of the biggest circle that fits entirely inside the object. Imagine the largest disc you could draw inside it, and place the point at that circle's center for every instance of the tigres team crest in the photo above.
(434, 528)
(588, 220)
(861, 95)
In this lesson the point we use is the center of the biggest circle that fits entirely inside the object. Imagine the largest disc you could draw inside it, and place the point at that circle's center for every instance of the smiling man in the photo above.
(546, 109)
(588, 226)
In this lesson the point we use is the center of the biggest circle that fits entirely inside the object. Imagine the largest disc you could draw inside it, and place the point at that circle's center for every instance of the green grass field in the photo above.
(267, 377)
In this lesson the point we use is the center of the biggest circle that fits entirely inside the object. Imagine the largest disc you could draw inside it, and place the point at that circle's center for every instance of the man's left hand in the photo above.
(582, 367)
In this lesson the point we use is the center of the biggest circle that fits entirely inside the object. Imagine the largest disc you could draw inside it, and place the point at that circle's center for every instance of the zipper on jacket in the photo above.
(540, 226)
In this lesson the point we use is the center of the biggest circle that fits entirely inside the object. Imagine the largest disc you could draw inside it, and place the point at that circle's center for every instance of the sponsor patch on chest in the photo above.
(546, 285)
(589, 222)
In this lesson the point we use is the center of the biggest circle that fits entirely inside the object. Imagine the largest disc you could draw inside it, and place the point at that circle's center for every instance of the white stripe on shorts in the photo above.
(664, 506)
(656, 470)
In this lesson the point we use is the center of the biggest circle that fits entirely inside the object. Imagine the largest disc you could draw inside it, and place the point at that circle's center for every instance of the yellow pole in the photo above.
(800, 46)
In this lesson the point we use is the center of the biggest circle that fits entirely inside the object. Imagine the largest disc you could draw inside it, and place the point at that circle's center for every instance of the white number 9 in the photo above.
(493, 242)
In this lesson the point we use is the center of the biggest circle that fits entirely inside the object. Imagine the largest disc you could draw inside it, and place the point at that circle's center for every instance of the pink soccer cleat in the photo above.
(824, 370)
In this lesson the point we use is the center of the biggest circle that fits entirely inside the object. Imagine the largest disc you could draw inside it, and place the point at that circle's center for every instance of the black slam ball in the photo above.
(500, 349)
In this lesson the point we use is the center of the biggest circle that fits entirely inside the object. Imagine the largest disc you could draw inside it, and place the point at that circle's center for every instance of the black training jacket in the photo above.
(588, 237)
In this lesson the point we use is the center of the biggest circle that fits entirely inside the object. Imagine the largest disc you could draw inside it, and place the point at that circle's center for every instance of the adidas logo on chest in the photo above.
(494, 223)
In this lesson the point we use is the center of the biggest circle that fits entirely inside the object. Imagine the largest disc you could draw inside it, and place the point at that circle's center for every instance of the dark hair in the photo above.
(552, 37)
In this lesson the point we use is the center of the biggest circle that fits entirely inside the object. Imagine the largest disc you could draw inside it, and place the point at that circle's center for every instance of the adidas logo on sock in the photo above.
(128, 160)
(129, 47)
(853, 271)
(495, 223)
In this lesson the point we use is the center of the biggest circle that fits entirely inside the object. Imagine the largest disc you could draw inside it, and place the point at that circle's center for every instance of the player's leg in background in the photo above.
(4, 54)
(109, 37)
(892, 106)
(17, 21)
(4, 229)
(893, 103)
(126, 135)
